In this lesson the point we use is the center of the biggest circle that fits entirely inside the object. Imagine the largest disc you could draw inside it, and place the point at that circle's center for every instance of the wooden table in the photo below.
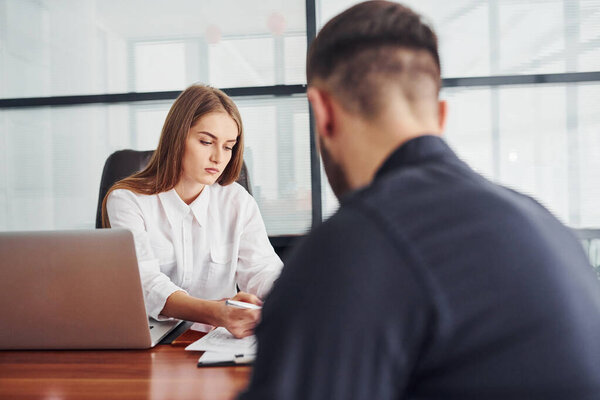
(164, 372)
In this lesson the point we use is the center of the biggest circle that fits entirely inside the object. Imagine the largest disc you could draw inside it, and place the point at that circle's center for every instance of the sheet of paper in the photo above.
(220, 340)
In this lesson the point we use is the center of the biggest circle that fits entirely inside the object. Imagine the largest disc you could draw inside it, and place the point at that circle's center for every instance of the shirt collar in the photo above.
(176, 209)
(415, 151)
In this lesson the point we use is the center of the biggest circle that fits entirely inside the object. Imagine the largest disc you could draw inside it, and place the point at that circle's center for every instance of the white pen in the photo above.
(242, 304)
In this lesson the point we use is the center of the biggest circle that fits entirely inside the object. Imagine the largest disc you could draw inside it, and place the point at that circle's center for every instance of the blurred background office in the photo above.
(80, 79)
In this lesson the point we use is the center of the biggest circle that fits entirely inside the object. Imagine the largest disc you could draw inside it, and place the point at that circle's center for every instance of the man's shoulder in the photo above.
(350, 220)
(435, 189)
(349, 237)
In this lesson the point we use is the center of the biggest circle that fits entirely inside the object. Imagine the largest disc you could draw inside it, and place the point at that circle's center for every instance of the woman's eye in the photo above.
(228, 148)
(204, 142)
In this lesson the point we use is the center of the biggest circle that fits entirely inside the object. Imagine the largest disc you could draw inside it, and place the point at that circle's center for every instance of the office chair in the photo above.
(123, 163)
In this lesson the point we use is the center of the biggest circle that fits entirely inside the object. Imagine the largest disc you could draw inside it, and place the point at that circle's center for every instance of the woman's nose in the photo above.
(216, 156)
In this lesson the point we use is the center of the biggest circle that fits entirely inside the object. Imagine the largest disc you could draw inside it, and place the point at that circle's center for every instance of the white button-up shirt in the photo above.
(204, 248)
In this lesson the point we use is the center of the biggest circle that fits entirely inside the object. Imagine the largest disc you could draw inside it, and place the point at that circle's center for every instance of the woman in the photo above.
(196, 241)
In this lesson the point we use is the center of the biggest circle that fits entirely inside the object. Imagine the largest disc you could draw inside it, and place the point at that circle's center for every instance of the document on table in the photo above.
(221, 341)
(222, 348)
(214, 359)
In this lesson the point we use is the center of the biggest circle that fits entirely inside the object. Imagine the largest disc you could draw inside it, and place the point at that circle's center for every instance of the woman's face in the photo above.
(208, 148)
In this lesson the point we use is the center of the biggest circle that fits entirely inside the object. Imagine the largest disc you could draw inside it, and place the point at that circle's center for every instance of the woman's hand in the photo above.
(239, 321)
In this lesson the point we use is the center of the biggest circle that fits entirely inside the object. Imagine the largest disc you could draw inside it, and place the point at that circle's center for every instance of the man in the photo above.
(430, 282)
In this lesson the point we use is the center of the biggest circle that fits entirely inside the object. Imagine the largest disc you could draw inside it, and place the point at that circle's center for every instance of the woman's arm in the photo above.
(125, 211)
(240, 322)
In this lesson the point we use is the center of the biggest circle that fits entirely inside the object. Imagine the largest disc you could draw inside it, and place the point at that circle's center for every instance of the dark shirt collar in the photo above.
(415, 151)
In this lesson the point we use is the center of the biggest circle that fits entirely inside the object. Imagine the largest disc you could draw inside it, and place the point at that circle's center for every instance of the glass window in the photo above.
(278, 159)
(52, 162)
(242, 62)
(159, 66)
(547, 145)
(533, 147)
(588, 31)
(148, 122)
(506, 37)
(469, 126)
(74, 47)
(52, 159)
(295, 59)
(586, 129)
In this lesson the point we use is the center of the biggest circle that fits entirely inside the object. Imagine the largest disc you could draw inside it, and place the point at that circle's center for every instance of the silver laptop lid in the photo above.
(71, 290)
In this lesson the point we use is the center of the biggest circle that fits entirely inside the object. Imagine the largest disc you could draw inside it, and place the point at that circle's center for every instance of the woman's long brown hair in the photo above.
(164, 169)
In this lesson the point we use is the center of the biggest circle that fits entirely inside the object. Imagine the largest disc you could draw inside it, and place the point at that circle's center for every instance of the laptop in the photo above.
(73, 290)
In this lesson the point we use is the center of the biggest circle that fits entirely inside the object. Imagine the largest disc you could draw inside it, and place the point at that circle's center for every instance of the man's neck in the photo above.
(375, 141)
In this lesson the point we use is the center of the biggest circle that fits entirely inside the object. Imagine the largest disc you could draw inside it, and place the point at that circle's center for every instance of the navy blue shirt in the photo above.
(432, 283)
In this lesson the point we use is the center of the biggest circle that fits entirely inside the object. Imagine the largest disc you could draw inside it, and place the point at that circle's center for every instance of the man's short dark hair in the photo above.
(360, 53)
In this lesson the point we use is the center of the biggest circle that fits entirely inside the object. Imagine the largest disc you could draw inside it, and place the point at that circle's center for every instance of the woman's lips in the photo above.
(211, 170)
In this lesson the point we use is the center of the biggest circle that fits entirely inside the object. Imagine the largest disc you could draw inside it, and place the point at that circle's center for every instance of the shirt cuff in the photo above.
(157, 297)
(156, 291)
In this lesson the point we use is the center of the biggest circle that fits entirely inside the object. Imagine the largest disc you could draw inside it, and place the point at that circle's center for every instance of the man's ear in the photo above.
(322, 110)
(442, 114)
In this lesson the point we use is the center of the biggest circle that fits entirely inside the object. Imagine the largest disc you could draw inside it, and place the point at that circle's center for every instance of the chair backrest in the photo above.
(123, 163)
